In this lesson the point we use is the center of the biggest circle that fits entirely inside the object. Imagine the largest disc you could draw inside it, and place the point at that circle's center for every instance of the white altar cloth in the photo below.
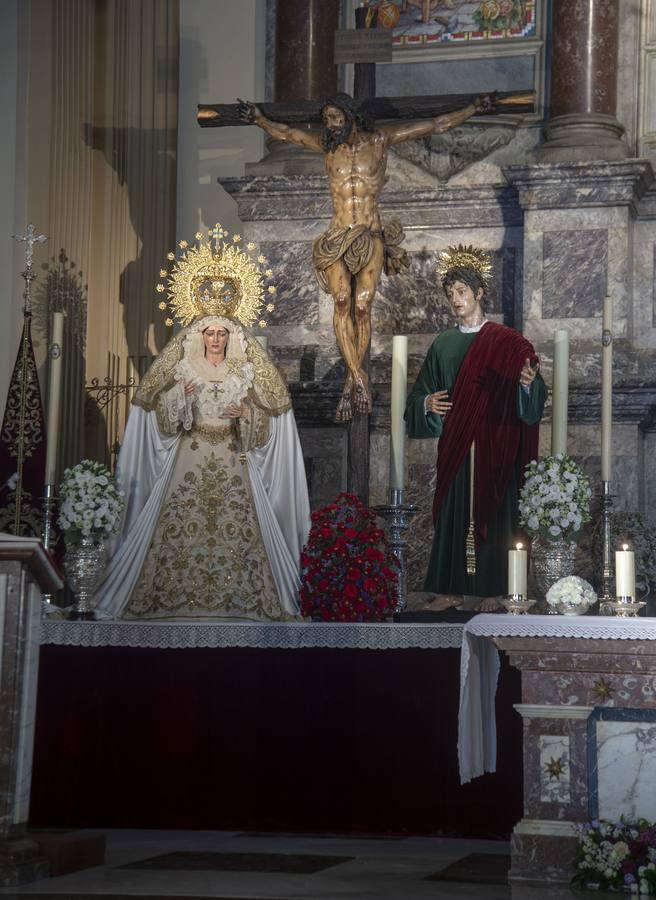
(479, 672)
(274, 635)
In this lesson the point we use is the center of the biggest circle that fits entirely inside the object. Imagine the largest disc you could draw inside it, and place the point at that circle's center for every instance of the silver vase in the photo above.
(84, 563)
(550, 561)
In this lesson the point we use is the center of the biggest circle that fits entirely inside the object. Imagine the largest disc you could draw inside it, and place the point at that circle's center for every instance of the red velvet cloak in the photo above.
(485, 411)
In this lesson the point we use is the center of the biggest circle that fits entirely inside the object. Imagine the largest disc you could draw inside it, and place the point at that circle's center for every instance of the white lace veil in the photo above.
(193, 346)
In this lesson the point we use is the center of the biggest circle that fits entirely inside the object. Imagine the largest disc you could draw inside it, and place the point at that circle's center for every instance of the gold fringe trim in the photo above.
(470, 543)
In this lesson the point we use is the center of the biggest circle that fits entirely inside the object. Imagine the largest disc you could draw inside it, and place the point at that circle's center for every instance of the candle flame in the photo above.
(520, 546)
(625, 546)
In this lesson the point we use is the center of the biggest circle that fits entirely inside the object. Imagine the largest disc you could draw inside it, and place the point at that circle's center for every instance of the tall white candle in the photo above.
(262, 340)
(517, 571)
(560, 392)
(397, 431)
(625, 572)
(54, 396)
(606, 389)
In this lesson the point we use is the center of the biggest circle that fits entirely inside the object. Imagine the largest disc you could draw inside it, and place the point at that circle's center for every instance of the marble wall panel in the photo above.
(554, 768)
(626, 769)
(555, 786)
(574, 272)
(379, 468)
(414, 302)
(586, 686)
(297, 296)
(324, 453)
(653, 282)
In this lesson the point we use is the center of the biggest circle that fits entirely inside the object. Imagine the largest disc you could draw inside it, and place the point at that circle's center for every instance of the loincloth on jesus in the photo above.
(356, 246)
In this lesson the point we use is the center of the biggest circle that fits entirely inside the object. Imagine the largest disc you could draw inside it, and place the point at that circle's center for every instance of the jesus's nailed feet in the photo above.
(362, 395)
(344, 411)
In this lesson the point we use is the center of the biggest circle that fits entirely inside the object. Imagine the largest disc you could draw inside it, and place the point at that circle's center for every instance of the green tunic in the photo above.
(447, 569)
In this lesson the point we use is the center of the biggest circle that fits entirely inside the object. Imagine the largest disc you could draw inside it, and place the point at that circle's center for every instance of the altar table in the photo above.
(288, 727)
(589, 712)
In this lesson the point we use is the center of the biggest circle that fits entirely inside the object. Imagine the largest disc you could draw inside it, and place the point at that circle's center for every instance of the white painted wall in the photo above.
(222, 49)
(13, 89)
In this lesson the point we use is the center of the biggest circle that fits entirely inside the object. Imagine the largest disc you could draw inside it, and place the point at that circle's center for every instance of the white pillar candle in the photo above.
(517, 571)
(54, 396)
(262, 340)
(560, 390)
(606, 389)
(625, 572)
(399, 391)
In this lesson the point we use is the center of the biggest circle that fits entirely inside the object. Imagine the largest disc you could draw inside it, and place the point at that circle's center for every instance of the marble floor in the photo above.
(179, 865)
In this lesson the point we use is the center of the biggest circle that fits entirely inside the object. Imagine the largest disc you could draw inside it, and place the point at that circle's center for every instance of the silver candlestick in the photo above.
(49, 503)
(607, 592)
(396, 517)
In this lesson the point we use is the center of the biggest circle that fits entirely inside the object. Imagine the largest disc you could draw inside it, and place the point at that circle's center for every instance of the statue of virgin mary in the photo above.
(212, 471)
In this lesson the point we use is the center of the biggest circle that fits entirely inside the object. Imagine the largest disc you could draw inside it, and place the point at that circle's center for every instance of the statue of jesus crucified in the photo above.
(349, 258)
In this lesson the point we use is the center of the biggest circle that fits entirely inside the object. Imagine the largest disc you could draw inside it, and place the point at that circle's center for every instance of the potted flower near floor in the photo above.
(554, 504)
(89, 512)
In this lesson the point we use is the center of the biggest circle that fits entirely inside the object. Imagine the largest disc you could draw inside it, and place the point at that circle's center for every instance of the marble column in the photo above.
(26, 572)
(304, 70)
(305, 38)
(583, 123)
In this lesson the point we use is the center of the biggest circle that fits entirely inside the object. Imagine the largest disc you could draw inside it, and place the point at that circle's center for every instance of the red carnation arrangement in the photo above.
(349, 572)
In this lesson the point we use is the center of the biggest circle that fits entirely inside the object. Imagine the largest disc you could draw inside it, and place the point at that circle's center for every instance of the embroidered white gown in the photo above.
(218, 512)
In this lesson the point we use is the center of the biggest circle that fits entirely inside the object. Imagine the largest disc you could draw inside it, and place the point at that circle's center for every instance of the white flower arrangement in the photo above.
(571, 591)
(554, 501)
(90, 503)
(616, 856)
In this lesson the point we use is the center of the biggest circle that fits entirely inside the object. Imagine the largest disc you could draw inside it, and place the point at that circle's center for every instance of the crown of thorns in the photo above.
(462, 257)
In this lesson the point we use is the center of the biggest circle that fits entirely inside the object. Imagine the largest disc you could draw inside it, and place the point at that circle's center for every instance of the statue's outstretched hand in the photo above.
(248, 111)
(486, 102)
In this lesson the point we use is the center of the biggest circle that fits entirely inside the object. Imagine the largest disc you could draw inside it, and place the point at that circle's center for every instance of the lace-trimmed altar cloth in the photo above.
(479, 672)
(277, 635)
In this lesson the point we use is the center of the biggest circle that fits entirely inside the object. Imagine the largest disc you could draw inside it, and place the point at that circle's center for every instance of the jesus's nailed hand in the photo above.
(248, 111)
(487, 102)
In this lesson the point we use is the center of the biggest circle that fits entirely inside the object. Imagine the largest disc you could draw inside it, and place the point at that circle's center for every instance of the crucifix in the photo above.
(351, 255)
(30, 239)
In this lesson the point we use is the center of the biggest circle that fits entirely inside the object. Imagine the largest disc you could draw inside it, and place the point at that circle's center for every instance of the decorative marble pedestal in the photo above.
(26, 572)
(589, 711)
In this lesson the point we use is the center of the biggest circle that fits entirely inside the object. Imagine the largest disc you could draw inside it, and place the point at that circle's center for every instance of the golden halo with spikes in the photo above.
(465, 257)
(216, 278)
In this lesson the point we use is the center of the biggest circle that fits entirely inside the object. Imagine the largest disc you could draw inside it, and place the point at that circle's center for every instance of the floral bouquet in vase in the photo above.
(90, 508)
(571, 596)
(554, 503)
(348, 572)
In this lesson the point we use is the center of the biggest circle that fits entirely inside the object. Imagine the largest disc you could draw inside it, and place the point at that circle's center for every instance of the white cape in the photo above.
(143, 474)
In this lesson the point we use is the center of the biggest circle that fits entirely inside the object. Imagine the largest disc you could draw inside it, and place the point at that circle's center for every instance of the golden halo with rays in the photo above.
(468, 257)
(216, 278)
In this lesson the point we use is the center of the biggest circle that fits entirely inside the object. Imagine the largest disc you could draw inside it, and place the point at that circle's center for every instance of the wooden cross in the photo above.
(221, 115)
